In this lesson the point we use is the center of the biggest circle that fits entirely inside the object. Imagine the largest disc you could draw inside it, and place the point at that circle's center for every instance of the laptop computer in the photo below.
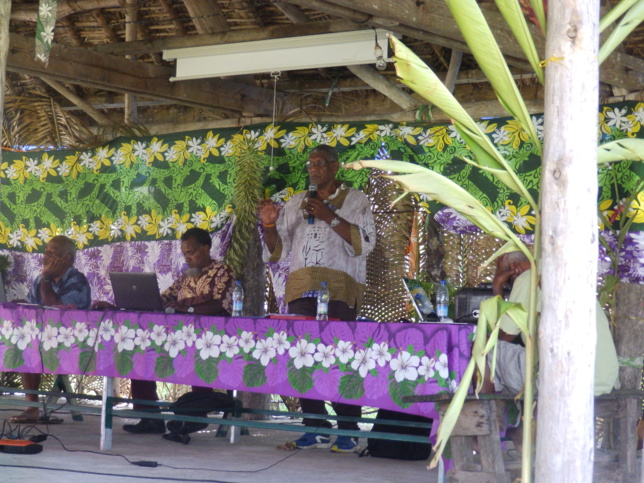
(136, 291)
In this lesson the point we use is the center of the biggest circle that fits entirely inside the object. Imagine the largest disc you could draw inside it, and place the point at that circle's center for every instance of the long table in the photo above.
(364, 363)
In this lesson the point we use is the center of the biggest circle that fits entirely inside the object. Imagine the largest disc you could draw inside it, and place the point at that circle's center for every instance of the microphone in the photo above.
(313, 193)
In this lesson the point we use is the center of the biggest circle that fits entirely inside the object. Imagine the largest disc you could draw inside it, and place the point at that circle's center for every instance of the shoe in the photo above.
(25, 418)
(312, 440)
(177, 437)
(146, 426)
(345, 444)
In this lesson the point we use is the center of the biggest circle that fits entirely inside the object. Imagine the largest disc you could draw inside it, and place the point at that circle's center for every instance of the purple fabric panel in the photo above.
(364, 363)
(163, 257)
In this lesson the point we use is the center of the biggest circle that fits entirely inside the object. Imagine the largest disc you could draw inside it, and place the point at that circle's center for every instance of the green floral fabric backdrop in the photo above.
(157, 187)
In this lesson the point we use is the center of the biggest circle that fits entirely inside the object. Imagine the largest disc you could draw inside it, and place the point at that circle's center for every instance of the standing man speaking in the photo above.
(328, 231)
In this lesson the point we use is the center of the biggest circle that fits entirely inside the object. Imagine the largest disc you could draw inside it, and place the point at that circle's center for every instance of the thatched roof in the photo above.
(92, 66)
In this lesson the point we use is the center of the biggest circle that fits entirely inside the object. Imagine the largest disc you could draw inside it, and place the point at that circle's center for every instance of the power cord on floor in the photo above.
(25, 430)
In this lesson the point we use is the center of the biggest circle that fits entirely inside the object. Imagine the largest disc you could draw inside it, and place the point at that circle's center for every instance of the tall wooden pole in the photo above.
(5, 11)
(569, 244)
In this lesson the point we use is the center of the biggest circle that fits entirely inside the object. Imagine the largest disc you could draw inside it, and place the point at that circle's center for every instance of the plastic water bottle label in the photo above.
(323, 308)
(441, 310)
(238, 305)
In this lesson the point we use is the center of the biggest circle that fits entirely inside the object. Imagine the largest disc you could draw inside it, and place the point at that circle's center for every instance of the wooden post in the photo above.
(569, 245)
(5, 11)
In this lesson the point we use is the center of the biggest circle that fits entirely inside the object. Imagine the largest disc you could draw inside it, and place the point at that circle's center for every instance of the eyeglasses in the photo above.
(316, 164)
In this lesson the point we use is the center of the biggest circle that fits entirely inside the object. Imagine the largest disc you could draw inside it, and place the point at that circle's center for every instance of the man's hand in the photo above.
(102, 305)
(501, 276)
(319, 209)
(55, 268)
(268, 212)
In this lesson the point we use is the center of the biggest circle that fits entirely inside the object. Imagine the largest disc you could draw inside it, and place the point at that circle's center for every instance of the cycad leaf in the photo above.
(480, 40)
(629, 22)
(628, 149)
(511, 11)
(422, 180)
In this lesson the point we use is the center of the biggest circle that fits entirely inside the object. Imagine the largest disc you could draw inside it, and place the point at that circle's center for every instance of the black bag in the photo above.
(399, 450)
(197, 404)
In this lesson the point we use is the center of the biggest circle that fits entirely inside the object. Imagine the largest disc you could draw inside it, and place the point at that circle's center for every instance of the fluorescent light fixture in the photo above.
(294, 53)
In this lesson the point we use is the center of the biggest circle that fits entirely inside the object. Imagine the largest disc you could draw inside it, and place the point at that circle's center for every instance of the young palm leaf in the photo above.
(486, 51)
(633, 17)
(511, 11)
(628, 149)
(620, 9)
(415, 74)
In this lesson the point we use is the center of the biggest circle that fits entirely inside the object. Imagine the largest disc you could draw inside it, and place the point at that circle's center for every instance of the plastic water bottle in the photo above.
(238, 299)
(424, 304)
(442, 301)
(323, 302)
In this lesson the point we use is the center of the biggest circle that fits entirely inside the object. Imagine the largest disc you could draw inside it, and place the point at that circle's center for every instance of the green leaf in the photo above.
(398, 390)
(50, 359)
(443, 190)
(415, 74)
(634, 16)
(87, 360)
(207, 370)
(300, 379)
(486, 51)
(351, 386)
(13, 358)
(124, 362)
(615, 13)
(511, 11)
(254, 375)
(164, 367)
(627, 149)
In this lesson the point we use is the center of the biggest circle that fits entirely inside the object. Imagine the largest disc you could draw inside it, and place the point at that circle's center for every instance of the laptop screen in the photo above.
(136, 291)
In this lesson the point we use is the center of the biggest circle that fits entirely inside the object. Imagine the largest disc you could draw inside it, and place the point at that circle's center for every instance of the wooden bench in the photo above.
(479, 419)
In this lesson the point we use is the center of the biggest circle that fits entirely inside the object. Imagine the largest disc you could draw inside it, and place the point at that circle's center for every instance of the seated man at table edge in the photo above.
(58, 285)
(514, 268)
(205, 288)
(332, 249)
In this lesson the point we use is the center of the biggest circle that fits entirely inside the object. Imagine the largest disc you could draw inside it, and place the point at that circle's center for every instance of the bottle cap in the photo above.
(443, 282)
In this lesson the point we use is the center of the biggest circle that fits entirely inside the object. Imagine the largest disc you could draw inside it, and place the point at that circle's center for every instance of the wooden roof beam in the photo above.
(434, 17)
(207, 16)
(82, 66)
(244, 35)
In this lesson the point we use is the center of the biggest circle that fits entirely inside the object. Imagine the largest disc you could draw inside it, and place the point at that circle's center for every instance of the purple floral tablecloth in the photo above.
(364, 363)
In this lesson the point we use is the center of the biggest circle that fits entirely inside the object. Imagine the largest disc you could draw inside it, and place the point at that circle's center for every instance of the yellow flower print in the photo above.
(604, 210)
(408, 133)
(181, 223)
(370, 131)
(517, 134)
(339, 134)
(48, 165)
(156, 149)
(636, 210)
(3, 167)
(150, 223)
(4, 233)
(440, 137)
(129, 226)
(30, 239)
(47, 233)
(271, 134)
(126, 155)
(522, 220)
(105, 228)
(603, 122)
(102, 157)
(179, 152)
(18, 171)
(71, 166)
(301, 139)
(80, 234)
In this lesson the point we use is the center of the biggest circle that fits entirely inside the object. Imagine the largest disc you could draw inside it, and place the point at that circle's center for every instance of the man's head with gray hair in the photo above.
(67, 246)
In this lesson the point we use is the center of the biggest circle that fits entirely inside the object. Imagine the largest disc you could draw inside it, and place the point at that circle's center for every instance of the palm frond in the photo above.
(633, 17)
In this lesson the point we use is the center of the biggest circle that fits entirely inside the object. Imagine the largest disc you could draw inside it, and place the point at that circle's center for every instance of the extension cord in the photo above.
(19, 446)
